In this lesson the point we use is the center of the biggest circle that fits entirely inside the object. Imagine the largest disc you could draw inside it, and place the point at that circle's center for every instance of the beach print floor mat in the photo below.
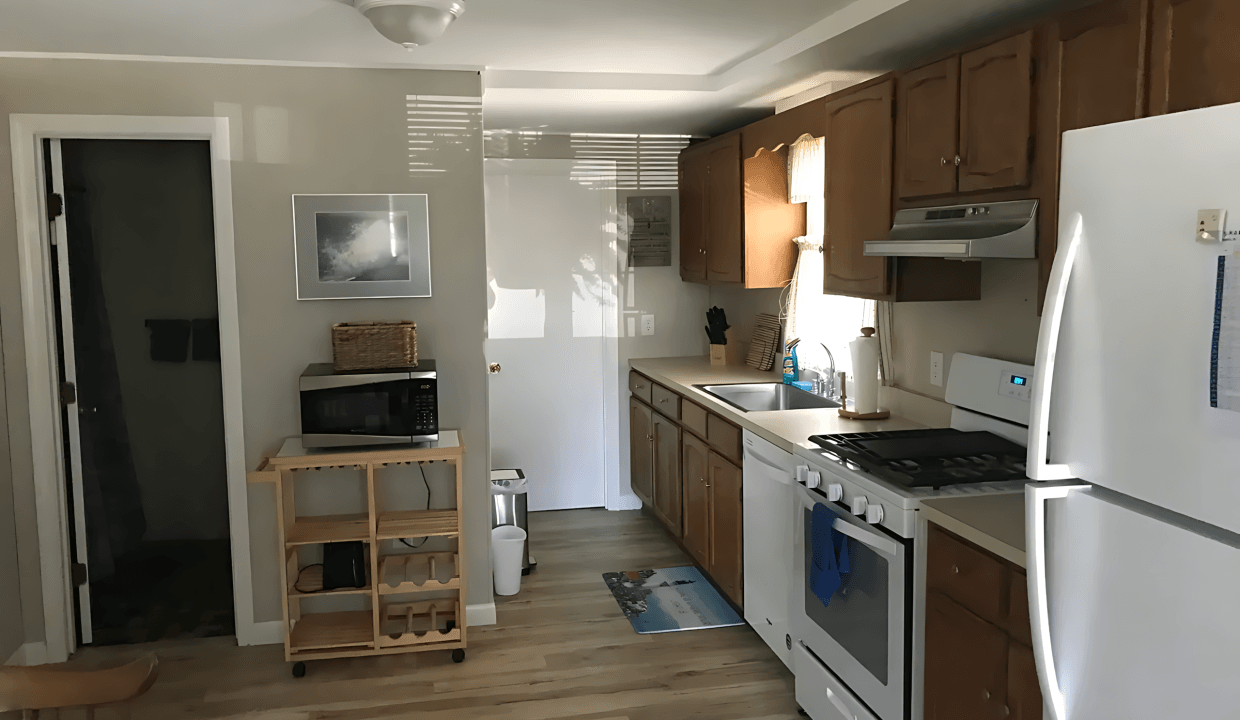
(670, 600)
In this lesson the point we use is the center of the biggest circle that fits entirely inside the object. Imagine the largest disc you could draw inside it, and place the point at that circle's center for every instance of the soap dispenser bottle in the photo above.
(792, 372)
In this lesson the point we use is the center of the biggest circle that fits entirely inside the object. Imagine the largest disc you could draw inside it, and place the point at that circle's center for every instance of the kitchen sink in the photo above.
(766, 397)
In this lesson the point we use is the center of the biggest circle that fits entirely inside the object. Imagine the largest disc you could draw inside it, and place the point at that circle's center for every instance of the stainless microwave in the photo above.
(369, 408)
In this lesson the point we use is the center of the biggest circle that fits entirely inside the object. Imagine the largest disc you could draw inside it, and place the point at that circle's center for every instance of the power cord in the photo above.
(405, 542)
(297, 582)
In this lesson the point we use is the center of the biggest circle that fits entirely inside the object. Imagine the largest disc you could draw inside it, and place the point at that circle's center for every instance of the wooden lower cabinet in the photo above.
(1024, 694)
(641, 450)
(966, 663)
(978, 665)
(726, 533)
(667, 472)
(696, 538)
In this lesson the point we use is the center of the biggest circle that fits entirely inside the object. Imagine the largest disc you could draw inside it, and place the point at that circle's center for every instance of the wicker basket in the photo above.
(374, 346)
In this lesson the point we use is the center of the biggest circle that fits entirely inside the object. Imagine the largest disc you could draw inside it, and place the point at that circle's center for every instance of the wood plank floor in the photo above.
(561, 649)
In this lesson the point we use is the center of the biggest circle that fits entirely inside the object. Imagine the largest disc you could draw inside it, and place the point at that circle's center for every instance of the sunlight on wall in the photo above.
(516, 313)
(640, 161)
(441, 129)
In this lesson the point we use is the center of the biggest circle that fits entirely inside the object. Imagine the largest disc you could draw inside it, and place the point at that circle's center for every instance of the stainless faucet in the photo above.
(828, 385)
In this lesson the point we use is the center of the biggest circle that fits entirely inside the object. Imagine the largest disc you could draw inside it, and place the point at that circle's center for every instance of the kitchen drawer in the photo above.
(967, 575)
(640, 385)
(724, 437)
(1018, 610)
(693, 417)
(820, 693)
(665, 401)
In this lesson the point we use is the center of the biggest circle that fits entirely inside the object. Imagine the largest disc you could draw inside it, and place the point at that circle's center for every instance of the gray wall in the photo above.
(295, 130)
(150, 217)
(12, 634)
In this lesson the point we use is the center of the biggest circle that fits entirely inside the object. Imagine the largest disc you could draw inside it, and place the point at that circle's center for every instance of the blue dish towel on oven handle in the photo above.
(830, 565)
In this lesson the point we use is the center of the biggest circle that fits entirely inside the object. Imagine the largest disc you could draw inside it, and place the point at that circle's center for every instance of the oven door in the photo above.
(862, 636)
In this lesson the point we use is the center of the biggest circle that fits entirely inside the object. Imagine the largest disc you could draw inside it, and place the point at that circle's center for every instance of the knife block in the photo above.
(729, 354)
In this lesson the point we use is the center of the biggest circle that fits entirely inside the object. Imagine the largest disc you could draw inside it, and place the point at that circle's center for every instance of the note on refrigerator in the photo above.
(1225, 351)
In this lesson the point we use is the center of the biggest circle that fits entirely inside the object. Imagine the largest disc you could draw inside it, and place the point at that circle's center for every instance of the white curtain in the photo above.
(806, 171)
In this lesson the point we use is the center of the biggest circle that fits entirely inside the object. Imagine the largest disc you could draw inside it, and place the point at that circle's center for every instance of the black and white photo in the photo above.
(361, 246)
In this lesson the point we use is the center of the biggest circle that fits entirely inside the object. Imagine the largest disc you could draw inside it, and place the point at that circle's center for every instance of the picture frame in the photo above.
(353, 247)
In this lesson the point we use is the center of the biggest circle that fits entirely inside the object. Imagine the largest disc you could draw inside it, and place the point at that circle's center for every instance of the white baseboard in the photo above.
(481, 614)
(34, 653)
(262, 633)
(628, 502)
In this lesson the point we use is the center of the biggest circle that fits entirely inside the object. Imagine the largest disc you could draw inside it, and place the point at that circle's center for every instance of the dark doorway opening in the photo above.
(145, 437)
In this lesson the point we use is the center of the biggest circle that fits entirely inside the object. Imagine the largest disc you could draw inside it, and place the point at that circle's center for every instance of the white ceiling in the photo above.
(653, 66)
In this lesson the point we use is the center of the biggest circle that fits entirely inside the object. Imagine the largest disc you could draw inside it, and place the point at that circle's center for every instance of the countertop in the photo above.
(786, 429)
(993, 522)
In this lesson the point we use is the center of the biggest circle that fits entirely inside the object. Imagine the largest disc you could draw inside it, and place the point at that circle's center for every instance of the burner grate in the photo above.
(929, 458)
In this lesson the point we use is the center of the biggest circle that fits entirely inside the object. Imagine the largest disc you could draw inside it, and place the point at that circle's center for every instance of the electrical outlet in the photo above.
(936, 369)
(647, 324)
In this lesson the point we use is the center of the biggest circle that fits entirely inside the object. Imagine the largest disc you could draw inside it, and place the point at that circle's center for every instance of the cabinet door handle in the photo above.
(956, 569)
(943, 160)
(650, 437)
(985, 694)
(957, 161)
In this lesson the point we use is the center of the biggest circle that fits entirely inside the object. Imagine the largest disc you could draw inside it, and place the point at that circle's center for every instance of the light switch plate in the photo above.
(647, 324)
(1210, 225)
(936, 369)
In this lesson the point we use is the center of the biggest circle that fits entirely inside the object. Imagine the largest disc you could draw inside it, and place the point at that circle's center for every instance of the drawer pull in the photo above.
(639, 386)
(663, 400)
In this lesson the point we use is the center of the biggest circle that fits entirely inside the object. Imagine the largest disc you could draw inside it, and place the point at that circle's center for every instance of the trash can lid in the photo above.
(508, 482)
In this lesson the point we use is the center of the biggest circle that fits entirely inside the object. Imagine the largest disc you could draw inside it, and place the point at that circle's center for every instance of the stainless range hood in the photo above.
(962, 232)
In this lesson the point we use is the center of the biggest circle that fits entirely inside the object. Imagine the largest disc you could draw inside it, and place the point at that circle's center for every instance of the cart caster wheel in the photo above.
(458, 656)
(299, 669)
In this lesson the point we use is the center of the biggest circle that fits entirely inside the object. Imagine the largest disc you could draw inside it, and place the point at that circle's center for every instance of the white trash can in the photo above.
(507, 546)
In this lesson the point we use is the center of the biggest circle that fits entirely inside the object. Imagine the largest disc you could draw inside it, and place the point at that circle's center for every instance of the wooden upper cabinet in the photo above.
(927, 122)
(725, 242)
(667, 472)
(771, 222)
(1102, 51)
(858, 187)
(726, 521)
(694, 168)
(696, 499)
(1194, 55)
(641, 450)
(996, 115)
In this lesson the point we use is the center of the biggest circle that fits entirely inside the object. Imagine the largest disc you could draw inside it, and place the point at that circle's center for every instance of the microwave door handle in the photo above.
(1036, 495)
(881, 543)
(1044, 366)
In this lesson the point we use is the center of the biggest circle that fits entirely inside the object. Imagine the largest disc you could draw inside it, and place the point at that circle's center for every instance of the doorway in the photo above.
(138, 342)
(551, 327)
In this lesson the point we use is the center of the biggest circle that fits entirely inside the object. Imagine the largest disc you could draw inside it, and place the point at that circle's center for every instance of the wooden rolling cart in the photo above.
(391, 625)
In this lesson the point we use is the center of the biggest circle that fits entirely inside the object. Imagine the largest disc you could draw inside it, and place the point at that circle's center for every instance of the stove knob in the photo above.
(858, 505)
(874, 514)
(835, 492)
(813, 479)
(802, 473)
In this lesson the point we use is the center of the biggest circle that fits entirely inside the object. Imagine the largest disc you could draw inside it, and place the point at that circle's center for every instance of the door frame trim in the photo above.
(38, 327)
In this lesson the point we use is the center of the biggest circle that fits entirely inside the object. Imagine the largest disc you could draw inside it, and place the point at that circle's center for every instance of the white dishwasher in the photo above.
(767, 495)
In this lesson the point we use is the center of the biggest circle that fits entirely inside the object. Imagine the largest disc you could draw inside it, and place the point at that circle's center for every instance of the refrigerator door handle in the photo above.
(1044, 365)
(1036, 495)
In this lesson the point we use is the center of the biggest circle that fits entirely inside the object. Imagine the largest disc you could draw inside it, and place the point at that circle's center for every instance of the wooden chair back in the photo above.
(44, 687)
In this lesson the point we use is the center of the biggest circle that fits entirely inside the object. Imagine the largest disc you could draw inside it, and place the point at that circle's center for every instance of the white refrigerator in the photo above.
(1134, 519)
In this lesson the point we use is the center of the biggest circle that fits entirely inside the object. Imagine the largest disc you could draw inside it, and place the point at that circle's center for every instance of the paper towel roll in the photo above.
(865, 372)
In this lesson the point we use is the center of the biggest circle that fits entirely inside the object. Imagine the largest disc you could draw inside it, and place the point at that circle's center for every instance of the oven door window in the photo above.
(858, 616)
(375, 409)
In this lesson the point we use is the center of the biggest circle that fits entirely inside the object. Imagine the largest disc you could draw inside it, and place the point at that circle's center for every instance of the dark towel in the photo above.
(207, 339)
(830, 555)
(169, 340)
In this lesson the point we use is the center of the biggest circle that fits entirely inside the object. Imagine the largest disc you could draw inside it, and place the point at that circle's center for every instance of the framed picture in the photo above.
(361, 246)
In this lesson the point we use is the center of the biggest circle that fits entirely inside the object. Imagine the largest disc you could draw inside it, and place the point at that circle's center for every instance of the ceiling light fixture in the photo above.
(410, 22)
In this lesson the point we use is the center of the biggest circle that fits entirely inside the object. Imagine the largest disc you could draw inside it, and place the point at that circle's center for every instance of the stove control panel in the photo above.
(1015, 385)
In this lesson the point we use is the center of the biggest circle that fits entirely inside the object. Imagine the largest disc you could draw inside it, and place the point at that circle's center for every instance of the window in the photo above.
(817, 319)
